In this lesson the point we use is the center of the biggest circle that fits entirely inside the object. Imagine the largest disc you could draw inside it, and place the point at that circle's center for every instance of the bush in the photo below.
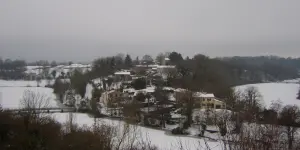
(170, 122)
(139, 83)
(179, 131)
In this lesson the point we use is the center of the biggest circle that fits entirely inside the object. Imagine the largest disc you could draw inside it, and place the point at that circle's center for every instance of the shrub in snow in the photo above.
(170, 122)
(179, 131)
(151, 122)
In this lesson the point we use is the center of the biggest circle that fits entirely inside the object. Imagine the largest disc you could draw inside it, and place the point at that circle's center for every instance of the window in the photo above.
(218, 106)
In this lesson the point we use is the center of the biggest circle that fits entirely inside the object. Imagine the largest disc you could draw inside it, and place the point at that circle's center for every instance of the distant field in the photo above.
(10, 96)
(22, 83)
(285, 92)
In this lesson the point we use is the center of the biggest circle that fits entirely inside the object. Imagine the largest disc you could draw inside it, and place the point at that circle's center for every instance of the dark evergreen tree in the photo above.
(137, 61)
(104, 84)
(60, 87)
(109, 82)
(53, 64)
(187, 103)
(79, 82)
(162, 103)
(53, 73)
(62, 74)
(147, 59)
(140, 97)
(128, 61)
(96, 94)
(175, 57)
(139, 83)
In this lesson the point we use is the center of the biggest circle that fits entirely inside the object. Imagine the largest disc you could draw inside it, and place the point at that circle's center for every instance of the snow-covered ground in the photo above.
(10, 96)
(89, 91)
(158, 138)
(11, 92)
(285, 92)
(23, 83)
(291, 81)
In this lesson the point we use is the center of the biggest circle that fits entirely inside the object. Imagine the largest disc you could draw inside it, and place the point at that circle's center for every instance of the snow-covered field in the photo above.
(285, 92)
(158, 138)
(10, 96)
(23, 83)
(11, 92)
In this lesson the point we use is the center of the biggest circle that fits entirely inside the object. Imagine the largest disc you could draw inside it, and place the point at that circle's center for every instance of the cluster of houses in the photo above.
(111, 100)
(121, 92)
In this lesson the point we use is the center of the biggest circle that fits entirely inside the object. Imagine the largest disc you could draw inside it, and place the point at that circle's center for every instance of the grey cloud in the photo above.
(83, 30)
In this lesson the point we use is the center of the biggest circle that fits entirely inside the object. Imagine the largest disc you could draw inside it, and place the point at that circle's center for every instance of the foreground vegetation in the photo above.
(41, 132)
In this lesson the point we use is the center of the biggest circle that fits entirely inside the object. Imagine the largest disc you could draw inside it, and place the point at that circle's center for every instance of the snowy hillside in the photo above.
(285, 92)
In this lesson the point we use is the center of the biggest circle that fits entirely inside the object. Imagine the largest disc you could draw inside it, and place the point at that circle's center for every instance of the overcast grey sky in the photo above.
(85, 29)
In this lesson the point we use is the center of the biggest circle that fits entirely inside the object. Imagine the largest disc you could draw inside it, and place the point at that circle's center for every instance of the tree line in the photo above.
(12, 69)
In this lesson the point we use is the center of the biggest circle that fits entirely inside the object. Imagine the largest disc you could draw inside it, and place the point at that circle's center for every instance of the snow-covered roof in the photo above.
(218, 100)
(168, 88)
(153, 66)
(150, 109)
(78, 66)
(171, 97)
(146, 90)
(177, 116)
(167, 58)
(34, 67)
(150, 89)
(180, 90)
(163, 66)
(129, 90)
(204, 95)
(65, 80)
(122, 73)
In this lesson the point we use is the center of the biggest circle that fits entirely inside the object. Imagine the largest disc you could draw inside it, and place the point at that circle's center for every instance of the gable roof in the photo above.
(204, 95)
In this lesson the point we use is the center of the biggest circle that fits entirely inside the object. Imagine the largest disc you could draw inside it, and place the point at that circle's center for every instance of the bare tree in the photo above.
(70, 124)
(252, 103)
(188, 106)
(130, 110)
(38, 80)
(289, 118)
(160, 58)
(32, 102)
